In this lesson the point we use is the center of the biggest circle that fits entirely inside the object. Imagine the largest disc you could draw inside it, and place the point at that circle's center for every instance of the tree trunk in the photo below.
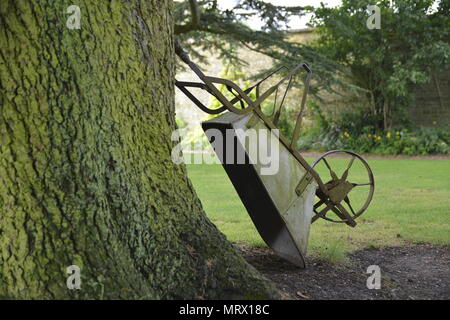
(86, 176)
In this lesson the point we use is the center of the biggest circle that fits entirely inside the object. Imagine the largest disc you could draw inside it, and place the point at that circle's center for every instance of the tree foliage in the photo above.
(203, 26)
(412, 43)
(208, 26)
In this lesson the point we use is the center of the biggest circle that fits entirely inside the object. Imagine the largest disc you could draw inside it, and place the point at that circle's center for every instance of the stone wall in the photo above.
(432, 102)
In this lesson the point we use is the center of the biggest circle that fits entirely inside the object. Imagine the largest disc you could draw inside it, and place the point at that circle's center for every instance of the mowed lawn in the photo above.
(411, 204)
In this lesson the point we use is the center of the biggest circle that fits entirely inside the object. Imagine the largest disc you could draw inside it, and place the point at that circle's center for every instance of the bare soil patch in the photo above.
(416, 271)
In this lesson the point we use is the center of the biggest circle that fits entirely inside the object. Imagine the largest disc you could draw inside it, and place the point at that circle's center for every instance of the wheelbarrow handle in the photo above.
(307, 68)
(268, 76)
(185, 58)
(298, 123)
(181, 53)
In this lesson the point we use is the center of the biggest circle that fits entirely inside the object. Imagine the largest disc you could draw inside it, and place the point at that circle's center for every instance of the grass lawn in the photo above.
(411, 204)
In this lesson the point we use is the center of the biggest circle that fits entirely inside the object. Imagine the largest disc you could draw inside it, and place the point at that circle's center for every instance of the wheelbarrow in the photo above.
(284, 203)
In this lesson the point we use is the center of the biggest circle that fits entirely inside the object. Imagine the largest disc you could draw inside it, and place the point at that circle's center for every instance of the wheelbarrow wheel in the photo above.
(335, 196)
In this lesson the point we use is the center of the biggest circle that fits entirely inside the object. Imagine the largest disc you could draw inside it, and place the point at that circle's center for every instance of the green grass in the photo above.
(411, 204)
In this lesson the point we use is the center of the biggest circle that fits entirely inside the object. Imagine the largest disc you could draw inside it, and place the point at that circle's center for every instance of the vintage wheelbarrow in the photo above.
(281, 204)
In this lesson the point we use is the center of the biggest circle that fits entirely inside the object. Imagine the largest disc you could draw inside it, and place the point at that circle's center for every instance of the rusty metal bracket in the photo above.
(304, 182)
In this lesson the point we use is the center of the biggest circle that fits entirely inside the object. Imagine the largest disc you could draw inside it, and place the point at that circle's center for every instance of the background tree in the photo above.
(86, 175)
(411, 45)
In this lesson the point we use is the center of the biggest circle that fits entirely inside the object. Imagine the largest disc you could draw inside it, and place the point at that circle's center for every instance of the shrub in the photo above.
(356, 131)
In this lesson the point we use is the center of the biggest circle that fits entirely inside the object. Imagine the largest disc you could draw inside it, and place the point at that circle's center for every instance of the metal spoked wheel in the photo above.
(336, 191)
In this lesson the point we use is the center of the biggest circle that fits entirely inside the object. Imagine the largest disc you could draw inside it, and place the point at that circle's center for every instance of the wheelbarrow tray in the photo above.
(281, 214)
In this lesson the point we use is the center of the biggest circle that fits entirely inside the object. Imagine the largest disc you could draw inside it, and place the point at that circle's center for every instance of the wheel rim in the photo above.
(337, 207)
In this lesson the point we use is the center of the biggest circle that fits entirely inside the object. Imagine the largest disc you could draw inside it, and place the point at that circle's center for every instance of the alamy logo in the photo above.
(259, 147)
(374, 280)
(374, 20)
(74, 20)
(74, 280)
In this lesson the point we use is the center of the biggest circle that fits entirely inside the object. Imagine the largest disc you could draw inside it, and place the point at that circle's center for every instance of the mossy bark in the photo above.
(86, 176)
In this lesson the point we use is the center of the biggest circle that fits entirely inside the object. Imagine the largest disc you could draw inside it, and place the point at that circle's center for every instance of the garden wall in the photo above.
(432, 103)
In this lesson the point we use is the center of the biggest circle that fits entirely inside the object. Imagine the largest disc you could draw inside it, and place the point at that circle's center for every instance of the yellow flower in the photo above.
(378, 138)
(397, 133)
(369, 135)
(346, 134)
(388, 135)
